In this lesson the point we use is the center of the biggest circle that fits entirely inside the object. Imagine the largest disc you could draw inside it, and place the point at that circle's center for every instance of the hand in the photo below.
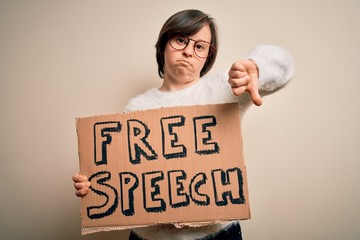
(243, 76)
(81, 184)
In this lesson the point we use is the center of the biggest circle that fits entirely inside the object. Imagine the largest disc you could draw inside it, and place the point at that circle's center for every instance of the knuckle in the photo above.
(78, 194)
(237, 65)
(237, 74)
(82, 192)
(232, 82)
(75, 177)
(78, 186)
(236, 93)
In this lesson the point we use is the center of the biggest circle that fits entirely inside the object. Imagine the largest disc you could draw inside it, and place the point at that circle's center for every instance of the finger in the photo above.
(237, 74)
(239, 90)
(79, 178)
(239, 65)
(238, 82)
(255, 96)
(80, 185)
(82, 192)
(75, 177)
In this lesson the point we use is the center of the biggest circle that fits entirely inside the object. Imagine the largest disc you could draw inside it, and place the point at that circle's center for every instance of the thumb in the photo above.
(253, 89)
(255, 96)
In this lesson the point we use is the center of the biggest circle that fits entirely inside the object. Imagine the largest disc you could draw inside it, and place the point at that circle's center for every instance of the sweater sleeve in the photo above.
(275, 67)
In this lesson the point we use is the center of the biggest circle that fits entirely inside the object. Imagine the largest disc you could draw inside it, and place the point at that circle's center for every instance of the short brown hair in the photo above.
(187, 22)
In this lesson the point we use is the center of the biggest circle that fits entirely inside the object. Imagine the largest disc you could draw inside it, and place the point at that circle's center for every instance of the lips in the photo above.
(185, 62)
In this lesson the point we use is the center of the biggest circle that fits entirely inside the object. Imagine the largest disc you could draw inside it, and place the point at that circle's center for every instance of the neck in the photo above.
(169, 84)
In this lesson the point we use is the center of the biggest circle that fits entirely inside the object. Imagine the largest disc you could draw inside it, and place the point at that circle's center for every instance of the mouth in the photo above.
(185, 62)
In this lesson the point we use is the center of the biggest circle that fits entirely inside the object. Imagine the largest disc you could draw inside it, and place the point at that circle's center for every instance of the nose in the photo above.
(189, 49)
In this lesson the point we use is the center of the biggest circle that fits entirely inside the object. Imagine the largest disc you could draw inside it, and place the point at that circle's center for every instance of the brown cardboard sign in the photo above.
(179, 165)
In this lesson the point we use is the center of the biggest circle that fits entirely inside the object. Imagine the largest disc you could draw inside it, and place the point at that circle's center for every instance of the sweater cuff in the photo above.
(275, 66)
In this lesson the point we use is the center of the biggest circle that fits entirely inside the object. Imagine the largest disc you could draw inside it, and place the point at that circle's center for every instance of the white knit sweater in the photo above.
(275, 70)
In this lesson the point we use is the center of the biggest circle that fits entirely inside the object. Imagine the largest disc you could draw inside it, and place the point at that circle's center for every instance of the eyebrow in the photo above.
(196, 40)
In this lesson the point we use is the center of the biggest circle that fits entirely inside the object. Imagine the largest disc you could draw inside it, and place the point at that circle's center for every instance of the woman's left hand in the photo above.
(243, 76)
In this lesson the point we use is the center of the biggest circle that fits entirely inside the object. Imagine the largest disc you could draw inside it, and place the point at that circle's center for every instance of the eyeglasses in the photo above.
(202, 49)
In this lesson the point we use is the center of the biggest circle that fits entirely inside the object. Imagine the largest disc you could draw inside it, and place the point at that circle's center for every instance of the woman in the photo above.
(185, 51)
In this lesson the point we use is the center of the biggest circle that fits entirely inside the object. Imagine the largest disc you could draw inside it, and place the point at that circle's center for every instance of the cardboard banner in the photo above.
(180, 165)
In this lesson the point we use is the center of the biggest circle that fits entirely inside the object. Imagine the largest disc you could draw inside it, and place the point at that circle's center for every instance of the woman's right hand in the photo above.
(81, 184)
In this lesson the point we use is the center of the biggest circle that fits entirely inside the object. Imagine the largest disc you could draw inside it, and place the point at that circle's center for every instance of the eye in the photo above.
(181, 40)
(200, 46)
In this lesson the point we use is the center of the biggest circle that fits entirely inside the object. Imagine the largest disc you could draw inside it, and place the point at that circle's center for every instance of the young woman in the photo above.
(185, 51)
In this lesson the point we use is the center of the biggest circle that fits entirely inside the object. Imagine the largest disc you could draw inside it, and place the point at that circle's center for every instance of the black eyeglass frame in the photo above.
(211, 48)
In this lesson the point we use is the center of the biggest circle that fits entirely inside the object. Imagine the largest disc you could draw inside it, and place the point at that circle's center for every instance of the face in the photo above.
(182, 67)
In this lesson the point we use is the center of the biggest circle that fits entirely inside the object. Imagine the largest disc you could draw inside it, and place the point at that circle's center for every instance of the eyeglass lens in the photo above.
(201, 48)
